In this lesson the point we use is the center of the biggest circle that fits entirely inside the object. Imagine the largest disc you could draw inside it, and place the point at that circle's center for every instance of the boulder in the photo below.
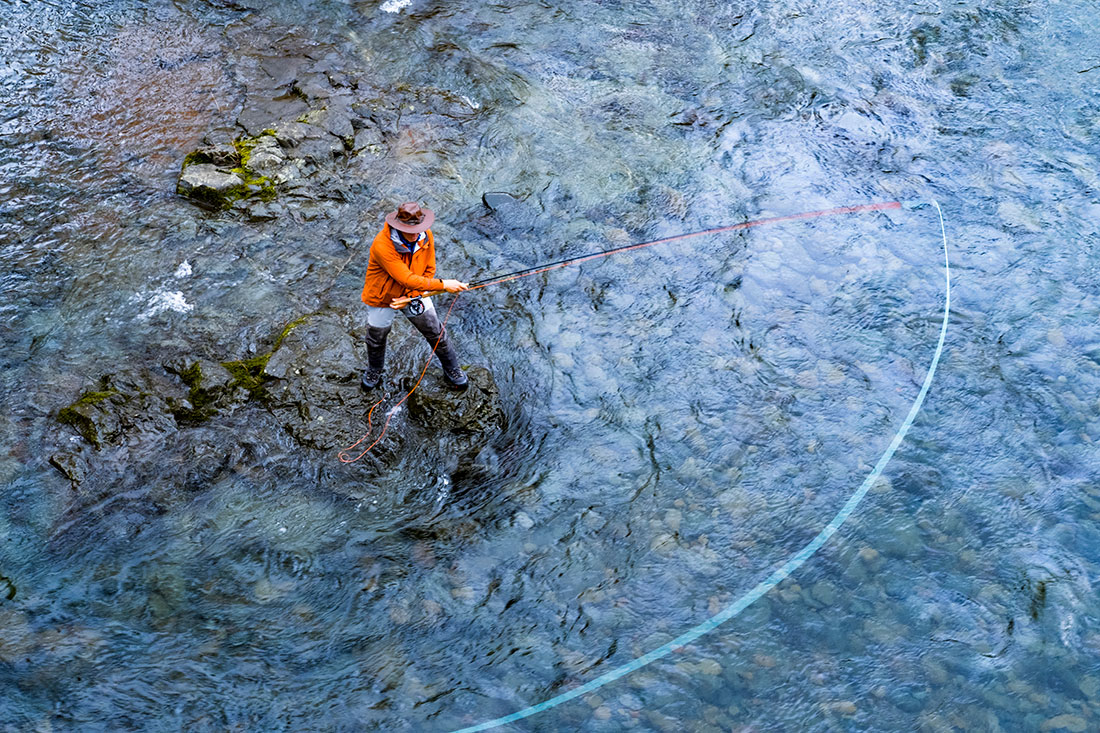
(259, 165)
(208, 184)
(90, 417)
(475, 411)
(71, 465)
(509, 211)
(266, 156)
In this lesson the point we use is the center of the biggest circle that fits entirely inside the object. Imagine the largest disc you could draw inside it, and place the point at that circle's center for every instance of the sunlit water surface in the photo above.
(683, 418)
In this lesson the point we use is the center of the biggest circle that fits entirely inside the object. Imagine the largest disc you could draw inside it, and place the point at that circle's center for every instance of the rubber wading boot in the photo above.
(448, 359)
(429, 326)
(376, 357)
(452, 372)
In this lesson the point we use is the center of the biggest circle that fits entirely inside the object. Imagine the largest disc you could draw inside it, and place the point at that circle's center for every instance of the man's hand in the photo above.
(451, 286)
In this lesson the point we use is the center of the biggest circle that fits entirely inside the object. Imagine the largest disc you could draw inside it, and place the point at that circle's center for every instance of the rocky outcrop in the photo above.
(308, 382)
(218, 176)
(293, 147)
(331, 129)
(312, 387)
(312, 384)
(140, 410)
(126, 407)
(476, 411)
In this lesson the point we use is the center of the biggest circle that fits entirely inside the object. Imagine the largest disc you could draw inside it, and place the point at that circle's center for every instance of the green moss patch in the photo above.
(254, 184)
(249, 373)
(201, 401)
(195, 158)
(77, 415)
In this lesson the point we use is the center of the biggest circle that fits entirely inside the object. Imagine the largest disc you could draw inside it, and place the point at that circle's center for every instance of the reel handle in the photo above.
(413, 301)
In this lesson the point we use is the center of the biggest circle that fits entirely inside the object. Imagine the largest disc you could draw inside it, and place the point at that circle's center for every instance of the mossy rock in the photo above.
(209, 384)
(132, 404)
(86, 413)
(211, 186)
(250, 374)
(71, 465)
(218, 176)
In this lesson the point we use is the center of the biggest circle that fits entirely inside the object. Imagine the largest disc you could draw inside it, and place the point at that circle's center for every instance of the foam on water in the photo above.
(395, 6)
(164, 300)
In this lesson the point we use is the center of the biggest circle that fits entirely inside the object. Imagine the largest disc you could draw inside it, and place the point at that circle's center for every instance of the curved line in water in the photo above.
(784, 570)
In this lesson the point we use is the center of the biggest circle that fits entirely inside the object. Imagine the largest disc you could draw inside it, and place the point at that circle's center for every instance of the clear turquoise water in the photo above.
(682, 419)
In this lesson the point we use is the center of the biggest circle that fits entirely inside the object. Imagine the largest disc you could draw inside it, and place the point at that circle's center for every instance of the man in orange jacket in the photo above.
(400, 273)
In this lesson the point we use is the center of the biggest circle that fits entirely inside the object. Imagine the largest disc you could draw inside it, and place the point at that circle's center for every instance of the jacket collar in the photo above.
(404, 247)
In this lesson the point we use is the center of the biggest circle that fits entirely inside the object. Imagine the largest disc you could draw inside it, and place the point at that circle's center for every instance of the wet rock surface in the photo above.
(295, 145)
(476, 411)
(175, 415)
(210, 185)
(312, 383)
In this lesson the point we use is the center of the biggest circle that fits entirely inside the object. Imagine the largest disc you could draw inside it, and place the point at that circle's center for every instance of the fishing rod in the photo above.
(417, 304)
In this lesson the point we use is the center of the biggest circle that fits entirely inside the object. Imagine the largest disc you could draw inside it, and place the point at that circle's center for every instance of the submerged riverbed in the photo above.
(679, 420)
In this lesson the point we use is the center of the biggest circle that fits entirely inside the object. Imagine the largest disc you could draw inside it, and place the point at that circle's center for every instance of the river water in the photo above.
(684, 418)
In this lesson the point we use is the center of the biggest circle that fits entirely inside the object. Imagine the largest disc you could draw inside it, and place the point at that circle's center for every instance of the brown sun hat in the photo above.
(411, 218)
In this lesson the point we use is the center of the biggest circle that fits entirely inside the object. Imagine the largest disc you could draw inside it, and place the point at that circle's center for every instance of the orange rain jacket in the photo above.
(391, 274)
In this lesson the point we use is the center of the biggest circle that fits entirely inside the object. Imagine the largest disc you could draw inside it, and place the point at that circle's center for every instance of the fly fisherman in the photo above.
(400, 276)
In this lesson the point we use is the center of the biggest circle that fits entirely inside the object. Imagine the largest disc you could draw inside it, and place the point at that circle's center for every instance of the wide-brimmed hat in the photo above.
(411, 218)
